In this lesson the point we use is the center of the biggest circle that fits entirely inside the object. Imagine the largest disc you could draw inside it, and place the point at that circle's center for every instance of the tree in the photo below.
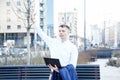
(27, 15)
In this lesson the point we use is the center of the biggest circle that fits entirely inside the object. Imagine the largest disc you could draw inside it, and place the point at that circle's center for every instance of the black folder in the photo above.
(52, 61)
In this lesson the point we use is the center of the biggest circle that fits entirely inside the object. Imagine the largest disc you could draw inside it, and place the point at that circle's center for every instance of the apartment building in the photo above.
(69, 18)
(96, 36)
(13, 21)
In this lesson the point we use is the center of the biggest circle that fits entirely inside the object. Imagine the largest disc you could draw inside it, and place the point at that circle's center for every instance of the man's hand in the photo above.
(54, 68)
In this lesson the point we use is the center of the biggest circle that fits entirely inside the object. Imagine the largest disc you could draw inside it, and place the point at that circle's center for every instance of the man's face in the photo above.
(63, 33)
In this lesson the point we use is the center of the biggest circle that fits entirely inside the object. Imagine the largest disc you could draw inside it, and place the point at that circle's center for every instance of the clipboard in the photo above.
(52, 61)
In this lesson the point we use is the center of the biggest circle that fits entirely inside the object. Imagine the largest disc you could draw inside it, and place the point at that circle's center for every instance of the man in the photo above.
(61, 47)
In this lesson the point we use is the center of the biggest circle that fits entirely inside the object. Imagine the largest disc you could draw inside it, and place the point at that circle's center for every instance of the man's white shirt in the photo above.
(65, 51)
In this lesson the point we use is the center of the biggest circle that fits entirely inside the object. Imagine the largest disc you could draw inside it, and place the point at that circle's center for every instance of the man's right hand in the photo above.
(54, 68)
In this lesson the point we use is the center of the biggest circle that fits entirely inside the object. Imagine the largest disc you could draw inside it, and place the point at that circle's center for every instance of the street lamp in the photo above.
(85, 25)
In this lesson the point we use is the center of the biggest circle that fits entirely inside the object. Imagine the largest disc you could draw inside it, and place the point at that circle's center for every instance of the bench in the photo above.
(41, 72)
(88, 72)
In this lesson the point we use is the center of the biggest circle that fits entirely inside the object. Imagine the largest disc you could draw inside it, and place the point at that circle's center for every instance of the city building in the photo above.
(117, 35)
(13, 21)
(96, 36)
(69, 12)
(69, 18)
(49, 18)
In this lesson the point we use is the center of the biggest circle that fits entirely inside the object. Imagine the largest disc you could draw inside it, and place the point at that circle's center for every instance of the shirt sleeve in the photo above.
(74, 56)
(44, 36)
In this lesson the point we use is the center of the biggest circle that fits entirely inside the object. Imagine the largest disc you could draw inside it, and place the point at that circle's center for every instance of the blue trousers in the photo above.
(65, 73)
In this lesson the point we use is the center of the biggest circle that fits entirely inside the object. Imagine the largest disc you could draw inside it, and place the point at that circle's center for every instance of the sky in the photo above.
(97, 11)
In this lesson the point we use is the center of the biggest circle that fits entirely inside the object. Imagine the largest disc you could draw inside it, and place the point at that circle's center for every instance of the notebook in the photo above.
(52, 61)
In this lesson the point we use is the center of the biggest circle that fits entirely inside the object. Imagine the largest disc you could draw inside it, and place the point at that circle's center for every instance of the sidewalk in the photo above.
(107, 72)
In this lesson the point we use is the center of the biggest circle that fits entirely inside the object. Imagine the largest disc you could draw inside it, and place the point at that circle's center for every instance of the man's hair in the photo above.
(64, 25)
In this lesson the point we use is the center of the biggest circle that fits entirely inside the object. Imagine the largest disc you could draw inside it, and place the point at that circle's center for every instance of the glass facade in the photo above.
(1, 38)
(19, 38)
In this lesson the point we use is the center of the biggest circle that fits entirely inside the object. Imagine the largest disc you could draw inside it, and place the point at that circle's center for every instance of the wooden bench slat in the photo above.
(41, 72)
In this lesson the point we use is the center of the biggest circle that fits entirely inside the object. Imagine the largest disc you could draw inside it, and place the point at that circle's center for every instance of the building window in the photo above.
(41, 13)
(8, 3)
(41, 21)
(18, 26)
(18, 3)
(18, 11)
(8, 27)
(41, 5)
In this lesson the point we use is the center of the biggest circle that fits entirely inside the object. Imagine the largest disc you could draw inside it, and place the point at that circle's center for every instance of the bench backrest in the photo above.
(88, 72)
(41, 72)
